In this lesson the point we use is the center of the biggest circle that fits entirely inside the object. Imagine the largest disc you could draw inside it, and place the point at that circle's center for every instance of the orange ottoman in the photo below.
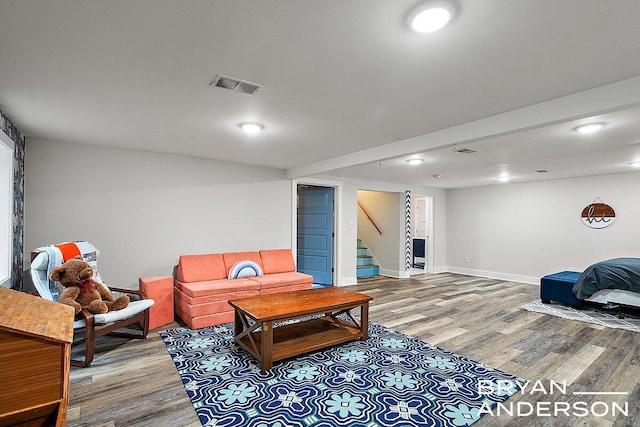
(160, 289)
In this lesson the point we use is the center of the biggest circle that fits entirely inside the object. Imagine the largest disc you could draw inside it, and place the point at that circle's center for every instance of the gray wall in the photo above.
(143, 210)
(525, 231)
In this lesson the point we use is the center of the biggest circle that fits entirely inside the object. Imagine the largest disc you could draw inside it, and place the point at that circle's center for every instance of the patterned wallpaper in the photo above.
(407, 231)
(18, 199)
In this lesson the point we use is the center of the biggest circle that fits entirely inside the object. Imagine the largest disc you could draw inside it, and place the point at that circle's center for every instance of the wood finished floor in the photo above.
(135, 383)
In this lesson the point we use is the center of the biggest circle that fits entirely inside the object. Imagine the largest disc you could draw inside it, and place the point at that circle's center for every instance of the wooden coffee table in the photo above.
(269, 344)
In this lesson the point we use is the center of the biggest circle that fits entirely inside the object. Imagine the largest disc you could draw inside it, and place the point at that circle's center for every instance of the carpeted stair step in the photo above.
(364, 260)
(364, 263)
(367, 270)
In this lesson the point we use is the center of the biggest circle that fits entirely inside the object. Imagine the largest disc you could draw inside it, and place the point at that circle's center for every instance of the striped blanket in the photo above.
(60, 253)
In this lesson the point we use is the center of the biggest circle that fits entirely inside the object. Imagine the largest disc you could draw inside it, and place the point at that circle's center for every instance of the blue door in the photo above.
(315, 233)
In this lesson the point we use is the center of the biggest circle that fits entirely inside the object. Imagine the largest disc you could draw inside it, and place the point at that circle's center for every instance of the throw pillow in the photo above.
(244, 268)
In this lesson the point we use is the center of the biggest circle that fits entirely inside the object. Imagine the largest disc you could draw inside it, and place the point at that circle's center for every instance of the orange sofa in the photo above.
(203, 284)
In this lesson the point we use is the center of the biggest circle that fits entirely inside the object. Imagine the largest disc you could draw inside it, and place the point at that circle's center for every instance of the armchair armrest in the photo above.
(140, 294)
(87, 316)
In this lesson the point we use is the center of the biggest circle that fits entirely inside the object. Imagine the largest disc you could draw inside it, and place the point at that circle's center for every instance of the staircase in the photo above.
(365, 265)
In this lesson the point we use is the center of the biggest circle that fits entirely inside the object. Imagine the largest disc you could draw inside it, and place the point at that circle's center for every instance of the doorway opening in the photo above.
(421, 232)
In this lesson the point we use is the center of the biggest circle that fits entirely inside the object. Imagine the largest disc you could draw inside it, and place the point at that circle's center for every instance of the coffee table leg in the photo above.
(237, 323)
(266, 344)
(364, 321)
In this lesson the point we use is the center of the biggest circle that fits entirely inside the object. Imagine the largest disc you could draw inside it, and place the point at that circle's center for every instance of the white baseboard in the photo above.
(494, 275)
(347, 281)
(394, 273)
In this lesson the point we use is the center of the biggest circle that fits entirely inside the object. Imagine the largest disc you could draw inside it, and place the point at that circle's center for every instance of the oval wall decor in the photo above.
(598, 215)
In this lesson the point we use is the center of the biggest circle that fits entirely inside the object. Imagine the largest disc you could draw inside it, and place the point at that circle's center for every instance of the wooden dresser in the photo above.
(35, 355)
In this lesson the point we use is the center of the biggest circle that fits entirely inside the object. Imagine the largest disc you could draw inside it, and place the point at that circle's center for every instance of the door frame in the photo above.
(6, 210)
(429, 246)
(337, 219)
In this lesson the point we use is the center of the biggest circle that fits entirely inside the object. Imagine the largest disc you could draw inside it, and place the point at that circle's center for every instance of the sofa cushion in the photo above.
(206, 320)
(291, 288)
(277, 261)
(230, 258)
(213, 287)
(205, 308)
(196, 268)
(283, 279)
(269, 281)
(213, 297)
(195, 310)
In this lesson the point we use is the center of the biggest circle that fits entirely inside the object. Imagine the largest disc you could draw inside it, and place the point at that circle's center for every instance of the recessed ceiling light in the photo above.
(431, 16)
(589, 128)
(251, 128)
(503, 178)
(415, 161)
(635, 164)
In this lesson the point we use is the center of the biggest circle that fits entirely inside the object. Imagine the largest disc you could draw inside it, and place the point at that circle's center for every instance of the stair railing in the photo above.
(369, 217)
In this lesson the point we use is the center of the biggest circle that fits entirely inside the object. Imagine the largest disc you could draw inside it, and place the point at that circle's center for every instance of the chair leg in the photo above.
(89, 350)
(88, 358)
(90, 338)
(145, 324)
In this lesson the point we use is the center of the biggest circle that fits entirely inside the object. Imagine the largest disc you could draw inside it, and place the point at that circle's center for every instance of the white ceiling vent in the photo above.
(466, 151)
(236, 85)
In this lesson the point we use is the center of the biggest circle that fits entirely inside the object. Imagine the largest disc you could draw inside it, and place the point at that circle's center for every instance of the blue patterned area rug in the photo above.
(389, 380)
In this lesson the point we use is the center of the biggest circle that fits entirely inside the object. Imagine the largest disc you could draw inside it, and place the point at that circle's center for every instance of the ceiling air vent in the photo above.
(236, 85)
(466, 151)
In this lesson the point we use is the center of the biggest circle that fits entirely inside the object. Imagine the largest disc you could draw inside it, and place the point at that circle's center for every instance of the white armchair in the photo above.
(93, 325)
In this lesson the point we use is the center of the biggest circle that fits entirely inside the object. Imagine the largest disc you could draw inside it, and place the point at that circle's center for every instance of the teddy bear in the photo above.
(80, 290)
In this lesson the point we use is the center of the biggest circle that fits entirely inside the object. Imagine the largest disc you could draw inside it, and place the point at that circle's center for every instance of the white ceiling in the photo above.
(348, 89)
